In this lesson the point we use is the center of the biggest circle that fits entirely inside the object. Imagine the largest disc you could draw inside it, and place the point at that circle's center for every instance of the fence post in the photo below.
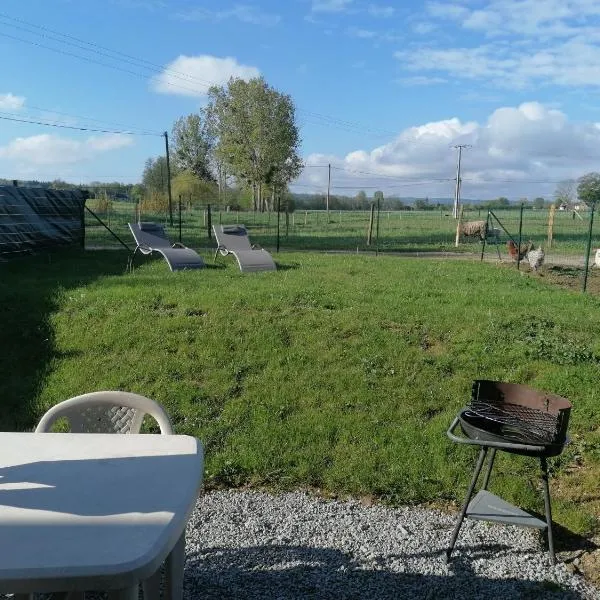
(370, 229)
(551, 225)
(460, 218)
(208, 222)
(377, 230)
(520, 232)
(180, 218)
(588, 247)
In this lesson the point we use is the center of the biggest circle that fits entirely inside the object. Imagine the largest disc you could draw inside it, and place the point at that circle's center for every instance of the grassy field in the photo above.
(337, 372)
(400, 231)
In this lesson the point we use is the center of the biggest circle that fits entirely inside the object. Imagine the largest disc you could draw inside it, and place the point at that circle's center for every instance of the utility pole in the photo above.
(169, 178)
(328, 188)
(456, 209)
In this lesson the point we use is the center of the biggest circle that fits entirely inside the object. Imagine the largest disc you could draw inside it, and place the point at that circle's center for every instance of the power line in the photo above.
(61, 126)
(64, 114)
(92, 47)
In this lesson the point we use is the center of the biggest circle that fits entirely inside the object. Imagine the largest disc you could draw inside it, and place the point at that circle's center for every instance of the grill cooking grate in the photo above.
(514, 422)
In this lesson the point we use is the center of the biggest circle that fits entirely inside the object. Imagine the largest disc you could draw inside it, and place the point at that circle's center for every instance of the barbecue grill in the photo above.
(516, 419)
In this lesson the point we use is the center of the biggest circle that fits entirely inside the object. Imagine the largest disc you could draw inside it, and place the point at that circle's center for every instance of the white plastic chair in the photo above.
(121, 412)
(106, 412)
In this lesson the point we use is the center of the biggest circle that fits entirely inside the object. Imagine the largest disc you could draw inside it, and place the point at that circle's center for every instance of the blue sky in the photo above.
(383, 89)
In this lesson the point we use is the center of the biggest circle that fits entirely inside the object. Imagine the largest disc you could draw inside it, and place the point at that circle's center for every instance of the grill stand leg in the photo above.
(463, 512)
(488, 472)
(548, 508)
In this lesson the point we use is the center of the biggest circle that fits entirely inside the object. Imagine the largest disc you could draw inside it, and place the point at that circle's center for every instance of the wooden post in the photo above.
(588, 247)
(370, 229)
(460, 218)
(328, 186)
(551, 225)
(169, 178)
(520, 236)
(305, 216)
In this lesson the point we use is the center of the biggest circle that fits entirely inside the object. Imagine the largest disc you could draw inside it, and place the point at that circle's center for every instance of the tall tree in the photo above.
(362, 202)
(258, 139)
(565, 192)
(154, 178)
(588, 189)
(193, 144)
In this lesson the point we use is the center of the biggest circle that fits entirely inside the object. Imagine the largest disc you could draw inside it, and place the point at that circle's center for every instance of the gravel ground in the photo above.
(294, 545)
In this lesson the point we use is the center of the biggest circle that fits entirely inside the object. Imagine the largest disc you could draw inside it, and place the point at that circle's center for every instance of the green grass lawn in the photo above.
(339, 372)
(399, 231)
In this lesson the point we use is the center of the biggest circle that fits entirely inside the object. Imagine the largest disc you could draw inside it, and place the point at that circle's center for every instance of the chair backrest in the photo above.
(232, 237)
(106, 412)
(152, 235)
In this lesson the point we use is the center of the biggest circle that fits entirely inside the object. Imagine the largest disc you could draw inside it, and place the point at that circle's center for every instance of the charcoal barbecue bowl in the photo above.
(477, 429)
(524, 402)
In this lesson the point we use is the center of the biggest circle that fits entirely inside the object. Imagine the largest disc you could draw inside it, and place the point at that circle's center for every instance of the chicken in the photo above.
(535, 258)
(518, 254)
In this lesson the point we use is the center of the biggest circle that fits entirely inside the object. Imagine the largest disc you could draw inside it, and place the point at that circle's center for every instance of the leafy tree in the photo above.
(539, 202)
(422, 204)
(362, 203)
(258, 139)
(193, 145)
(193, 189)
(154, 178)
(588, 189)
(565, 192)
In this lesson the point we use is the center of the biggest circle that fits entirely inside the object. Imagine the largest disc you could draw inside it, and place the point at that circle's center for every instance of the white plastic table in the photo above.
(93, 511)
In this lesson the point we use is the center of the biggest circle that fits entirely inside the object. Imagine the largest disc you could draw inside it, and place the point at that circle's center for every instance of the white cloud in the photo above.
(11, 102)
(377, 10)
(46, 149)
(549, 18)
(572, 63)
(330, 5)
(193, 75)
(528, 143)
(424, 27)
(246, 13)
(365, 34)
(421, 80)
(446, 10)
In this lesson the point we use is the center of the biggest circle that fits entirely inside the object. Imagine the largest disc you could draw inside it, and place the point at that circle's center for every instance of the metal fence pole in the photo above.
(208, 222)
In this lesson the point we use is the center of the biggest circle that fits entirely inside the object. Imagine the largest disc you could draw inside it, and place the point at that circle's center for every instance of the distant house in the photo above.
(581, 207)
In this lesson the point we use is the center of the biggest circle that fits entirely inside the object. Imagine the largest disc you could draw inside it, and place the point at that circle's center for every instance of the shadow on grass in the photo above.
(29, 287)
(307, 572)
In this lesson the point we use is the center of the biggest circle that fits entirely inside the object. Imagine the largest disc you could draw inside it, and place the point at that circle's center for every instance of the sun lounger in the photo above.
(151, 237)
(233, 239)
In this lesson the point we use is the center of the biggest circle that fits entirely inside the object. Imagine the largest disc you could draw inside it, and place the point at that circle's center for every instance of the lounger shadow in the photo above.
(151, 237)
(233, 239)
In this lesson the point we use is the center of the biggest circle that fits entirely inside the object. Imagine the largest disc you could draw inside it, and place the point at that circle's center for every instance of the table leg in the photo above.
(130, 593)
(174, 571)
